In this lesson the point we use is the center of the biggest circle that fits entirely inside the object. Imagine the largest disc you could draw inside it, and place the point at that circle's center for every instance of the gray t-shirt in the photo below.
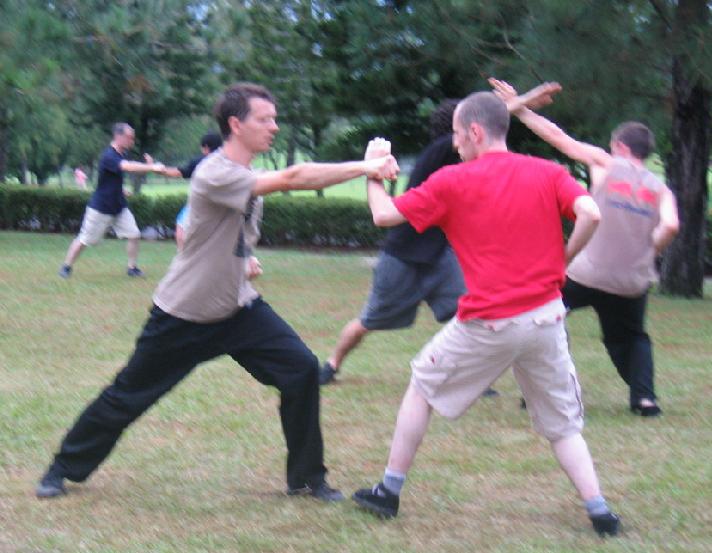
(206, 281)
(620, 258)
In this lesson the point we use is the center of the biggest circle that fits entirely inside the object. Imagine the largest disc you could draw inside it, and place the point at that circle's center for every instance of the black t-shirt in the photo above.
(108, 198)
(403, 241)
(187, 170)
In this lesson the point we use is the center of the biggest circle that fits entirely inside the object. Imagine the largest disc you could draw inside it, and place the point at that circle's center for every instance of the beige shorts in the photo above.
(465, 358)
(95, 225)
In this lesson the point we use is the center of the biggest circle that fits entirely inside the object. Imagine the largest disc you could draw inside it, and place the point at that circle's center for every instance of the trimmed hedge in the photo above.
(288, 220)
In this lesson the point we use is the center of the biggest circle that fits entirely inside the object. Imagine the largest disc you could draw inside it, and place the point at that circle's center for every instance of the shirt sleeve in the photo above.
(231, 187)
(567, 190)
(426, 206)
(111, 162)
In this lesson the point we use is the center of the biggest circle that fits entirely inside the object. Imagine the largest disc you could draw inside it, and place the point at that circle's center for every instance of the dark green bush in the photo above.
(289, 220)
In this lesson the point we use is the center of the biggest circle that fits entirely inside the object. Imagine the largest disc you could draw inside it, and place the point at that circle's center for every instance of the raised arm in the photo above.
(549, 132)
(669, 224)
(382, 207)
(315, 176)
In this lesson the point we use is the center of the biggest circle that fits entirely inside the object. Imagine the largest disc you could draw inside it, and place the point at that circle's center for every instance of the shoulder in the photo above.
(216, 169)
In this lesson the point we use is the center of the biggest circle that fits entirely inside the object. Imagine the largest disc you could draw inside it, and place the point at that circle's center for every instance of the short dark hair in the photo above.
(212, 141)
(485, 109)
(636, 136)
(441, 118)
(235, 102)
(119, 128)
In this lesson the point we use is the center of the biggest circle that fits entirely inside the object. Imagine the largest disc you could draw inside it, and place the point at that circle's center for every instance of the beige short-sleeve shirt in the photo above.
(206, 281)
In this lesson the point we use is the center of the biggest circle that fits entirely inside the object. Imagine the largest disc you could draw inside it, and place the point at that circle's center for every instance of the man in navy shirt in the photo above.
(107, 206)
(412, 267)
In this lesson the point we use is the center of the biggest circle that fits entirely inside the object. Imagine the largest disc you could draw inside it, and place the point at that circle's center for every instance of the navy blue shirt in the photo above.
(108, 198)
(403, 241)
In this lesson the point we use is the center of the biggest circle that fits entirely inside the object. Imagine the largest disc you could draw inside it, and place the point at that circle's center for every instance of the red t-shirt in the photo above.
(502, 215)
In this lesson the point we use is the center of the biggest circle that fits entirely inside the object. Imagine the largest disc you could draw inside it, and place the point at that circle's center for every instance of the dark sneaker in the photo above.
(51, 485)
(522, 403)
(378, 500)
(646, 411)
(135, 272)
(322, 492)
(65, 271)
(490, 392)
(327, 373)
(607, 524)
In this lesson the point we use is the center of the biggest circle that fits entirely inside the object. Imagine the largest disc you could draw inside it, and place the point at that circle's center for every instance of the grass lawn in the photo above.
(203, 470)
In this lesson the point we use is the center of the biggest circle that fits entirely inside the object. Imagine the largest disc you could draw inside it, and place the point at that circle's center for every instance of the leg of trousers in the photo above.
(167, 350)
(622, 323)
(629, 346)
(275, 355)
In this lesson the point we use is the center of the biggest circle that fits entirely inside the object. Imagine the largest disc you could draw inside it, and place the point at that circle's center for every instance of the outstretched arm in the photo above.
(549, 132)
(139, 167)
(315, 176)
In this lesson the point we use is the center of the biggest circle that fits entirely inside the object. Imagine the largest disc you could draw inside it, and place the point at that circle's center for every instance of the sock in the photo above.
(393, 481)
(596, 506)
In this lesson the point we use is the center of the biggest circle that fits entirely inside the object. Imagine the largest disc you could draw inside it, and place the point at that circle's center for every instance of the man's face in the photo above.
(259, 127)
(462, 139)
(125, 141)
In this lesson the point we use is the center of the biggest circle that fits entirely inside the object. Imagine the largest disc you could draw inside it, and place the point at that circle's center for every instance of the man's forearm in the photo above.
(382, 207)
(314, 176)
(137, 167)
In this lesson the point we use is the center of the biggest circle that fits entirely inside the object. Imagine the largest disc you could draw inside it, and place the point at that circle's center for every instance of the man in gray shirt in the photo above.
(205, 306)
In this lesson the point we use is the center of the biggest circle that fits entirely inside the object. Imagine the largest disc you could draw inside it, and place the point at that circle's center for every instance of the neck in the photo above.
(116, 147)
(497, 146)
(235, 151)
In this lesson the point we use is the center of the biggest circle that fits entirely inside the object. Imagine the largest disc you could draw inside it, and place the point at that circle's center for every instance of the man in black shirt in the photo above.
(208, 144)
(412, 267)
(107, 206)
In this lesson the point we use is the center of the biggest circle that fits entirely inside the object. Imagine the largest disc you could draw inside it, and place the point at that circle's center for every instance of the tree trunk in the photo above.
(3, 147)
(682, 271)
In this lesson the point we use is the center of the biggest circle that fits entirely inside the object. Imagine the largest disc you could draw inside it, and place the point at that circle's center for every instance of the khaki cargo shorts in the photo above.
(95, 225)
(465, 358)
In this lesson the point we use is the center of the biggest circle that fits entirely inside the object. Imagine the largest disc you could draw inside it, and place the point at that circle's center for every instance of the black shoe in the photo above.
(378, 500)
(490, 392)
(522, 403)
(606, 524)
(65, 271)
(322, 492)
(51, 485)
(134, 272)
(327, 374)
(646, 411)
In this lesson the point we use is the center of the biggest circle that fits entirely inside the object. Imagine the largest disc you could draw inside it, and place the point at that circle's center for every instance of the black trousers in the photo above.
(622, 323)
(168, 349)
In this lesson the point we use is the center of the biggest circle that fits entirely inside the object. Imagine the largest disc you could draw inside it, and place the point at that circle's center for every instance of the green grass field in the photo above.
(203, 470)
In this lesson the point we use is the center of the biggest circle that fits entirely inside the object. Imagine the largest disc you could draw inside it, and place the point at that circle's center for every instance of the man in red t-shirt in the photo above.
(501, 212)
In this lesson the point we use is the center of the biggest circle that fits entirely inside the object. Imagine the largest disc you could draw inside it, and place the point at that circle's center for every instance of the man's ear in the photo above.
(235, 124)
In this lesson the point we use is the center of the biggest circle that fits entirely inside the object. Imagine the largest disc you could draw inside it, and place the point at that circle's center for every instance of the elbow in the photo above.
(380, 219)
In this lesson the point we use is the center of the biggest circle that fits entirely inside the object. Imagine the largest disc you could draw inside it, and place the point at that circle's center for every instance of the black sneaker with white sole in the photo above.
(51, 485)
(321, 491)
(378, 500)
(327, 374)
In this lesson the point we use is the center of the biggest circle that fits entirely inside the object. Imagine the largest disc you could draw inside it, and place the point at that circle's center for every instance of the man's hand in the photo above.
(127, 193)
(536, 98)
(382, 165)
(148, 159)
(253, 267)
(158, 167)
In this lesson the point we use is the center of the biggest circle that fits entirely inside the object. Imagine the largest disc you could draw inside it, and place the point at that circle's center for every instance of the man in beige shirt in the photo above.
(205, 306)
(614, 271)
